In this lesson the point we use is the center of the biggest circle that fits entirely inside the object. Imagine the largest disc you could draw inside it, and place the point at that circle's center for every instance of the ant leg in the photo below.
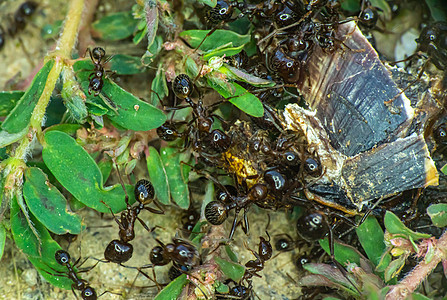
(158, 211)
(146, 227)
(117, 220)
(339, 266)
(233, 227)
(245, 225)
(122, 182)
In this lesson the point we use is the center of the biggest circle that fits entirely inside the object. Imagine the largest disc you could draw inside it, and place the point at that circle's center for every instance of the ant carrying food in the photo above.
(96, 78)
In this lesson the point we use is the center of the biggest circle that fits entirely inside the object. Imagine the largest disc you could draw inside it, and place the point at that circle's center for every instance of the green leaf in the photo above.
(395, 226)
(158, 176)
(231, 270)
(444, 169)
(115, 27)
(159, 87)
(344, 254)
(170, 157)
(394, 268)
(173, 289)
(417, 296)
(48, 205)
(210, 3)
(384, 262)
(26, 241)
(227, 51)
(126, 65)
(80, 175)
(231, 254)
(69, 129)
(438, 214)
(222, 288)
(9, 138)
(371, 237)
(8, 100)
(218, 38)
(334, 275)
(105, 166)
(2, 240)
(240, 75)
(19, 118)
(437, 9)
(242, 99)
(131, 112)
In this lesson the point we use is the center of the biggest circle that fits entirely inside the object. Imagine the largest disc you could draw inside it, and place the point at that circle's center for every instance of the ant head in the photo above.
(216, 212)
(62, 257)
(144, 191)
(265, 249)
(284, 243)
(98, 53)
(312, 167)
(369, 17)
(118, 251)
(27, 8)
(182, 86)
(167, 132)
(158, 256)
(276, 181)
(313, 226)
(258, 192)
(220, 141)
(89, 293)
(221, 12)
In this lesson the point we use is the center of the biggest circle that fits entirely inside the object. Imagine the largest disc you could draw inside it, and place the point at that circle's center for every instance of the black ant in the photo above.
(96, 78)
(216, 212)
(87, 292)
(183, 255)
(120, 251)
(285, 243)
(219, 141)
(253, 267)
(236, 291)
(18, 23)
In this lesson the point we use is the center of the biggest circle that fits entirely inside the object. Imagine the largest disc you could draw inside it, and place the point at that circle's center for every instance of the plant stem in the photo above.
(409, 284)
(15, 166)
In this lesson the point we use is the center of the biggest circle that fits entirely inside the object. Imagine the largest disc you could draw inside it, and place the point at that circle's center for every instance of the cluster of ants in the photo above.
(18, 21)
(270, 166)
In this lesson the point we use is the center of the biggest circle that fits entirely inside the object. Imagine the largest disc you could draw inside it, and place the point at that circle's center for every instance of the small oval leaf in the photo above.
(173, 289)
(8, 101)
(158, 177)
(242, 99)
(19, 118)
(48, 205)
(395, 226)
(230, 269)
(80, 175)
(215, 40)
(438, 214)
(25, 240)
(170, 157)
(115, 27)
(371, 237)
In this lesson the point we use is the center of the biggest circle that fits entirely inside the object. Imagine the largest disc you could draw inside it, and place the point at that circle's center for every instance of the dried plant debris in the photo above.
(359, 125)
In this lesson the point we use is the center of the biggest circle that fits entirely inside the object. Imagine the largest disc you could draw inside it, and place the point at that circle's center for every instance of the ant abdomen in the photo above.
(62, 257)
(216, 212)
(89, 293)
(144, 191)
(182, 86)
(118, 251)
(312, 226)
